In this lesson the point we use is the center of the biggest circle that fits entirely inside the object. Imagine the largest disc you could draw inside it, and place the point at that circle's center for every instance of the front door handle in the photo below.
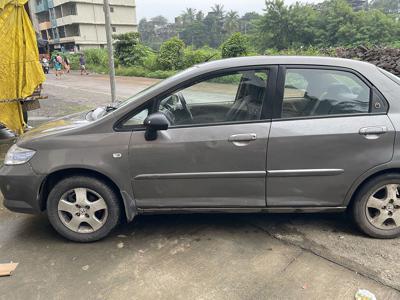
(247, 137)
(242, 139)
(373, 130)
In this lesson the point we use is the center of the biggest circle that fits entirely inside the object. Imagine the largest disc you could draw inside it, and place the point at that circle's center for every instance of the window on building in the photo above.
(52, 13)
(43, 33)
(69, 9)
(61, 32)
(114, 29)
(50, 34)
(72, 30)
(58, 12)
(111, 9)
(43, 17)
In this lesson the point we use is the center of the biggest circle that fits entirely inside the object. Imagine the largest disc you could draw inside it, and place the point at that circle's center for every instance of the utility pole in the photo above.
(106, 8)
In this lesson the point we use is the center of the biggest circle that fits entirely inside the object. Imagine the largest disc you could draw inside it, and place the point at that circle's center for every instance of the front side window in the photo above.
(232, 97)
(317, 92)
(138, 118)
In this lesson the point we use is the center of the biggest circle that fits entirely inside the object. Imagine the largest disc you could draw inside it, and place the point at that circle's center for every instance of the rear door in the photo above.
(329, 127)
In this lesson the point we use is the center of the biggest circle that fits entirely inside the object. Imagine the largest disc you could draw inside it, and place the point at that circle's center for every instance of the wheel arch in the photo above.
(53, 178)
(364, 180)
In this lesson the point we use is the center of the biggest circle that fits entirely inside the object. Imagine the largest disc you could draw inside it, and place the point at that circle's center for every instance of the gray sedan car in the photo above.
(254, 134)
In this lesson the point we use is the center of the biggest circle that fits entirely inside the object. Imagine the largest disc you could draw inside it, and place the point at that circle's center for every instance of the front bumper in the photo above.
(20, 186)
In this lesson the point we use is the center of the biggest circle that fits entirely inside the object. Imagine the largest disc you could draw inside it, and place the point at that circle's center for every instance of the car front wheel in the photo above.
(376, 208)
(83, 209)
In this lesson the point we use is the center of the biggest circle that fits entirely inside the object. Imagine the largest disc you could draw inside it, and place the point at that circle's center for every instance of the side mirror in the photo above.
(155, 122)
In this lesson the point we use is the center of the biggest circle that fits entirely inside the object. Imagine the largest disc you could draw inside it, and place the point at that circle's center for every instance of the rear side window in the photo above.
(318, 92)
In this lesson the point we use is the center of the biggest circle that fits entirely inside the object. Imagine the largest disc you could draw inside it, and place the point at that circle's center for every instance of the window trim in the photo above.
(280, 89)
(266, 109)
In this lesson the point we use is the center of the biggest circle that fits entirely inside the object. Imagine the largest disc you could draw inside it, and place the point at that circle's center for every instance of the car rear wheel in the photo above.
(376, 208)
(83, 209)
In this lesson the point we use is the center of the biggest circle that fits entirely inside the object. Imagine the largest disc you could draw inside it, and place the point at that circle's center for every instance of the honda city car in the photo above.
(253, 134)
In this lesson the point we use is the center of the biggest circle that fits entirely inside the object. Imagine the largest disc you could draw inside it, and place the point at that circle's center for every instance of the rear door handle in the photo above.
(373, 130)
(247, 137)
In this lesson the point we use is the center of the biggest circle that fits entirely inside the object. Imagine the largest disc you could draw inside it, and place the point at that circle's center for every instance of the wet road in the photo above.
(190, 256)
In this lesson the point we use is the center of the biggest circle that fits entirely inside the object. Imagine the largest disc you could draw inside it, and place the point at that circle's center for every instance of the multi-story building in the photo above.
(75, 25)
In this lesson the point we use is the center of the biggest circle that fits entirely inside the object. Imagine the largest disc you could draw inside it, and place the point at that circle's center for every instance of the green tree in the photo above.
(231, 22)
(248, 22)
(387, 6)
(171, 55)
(274, 26)
(128, 49)
(237, 45)
(188, 16)
(218, 10)
(335, 23)
(195, 34)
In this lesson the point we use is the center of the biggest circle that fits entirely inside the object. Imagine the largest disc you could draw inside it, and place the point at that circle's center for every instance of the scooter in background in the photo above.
(45, 66)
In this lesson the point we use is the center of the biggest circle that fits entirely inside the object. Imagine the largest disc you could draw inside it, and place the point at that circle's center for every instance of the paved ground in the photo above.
(190, 256)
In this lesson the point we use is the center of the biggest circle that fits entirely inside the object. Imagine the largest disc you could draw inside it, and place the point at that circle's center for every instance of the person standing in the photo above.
(67, 65)
(82, 63)
(58, 62)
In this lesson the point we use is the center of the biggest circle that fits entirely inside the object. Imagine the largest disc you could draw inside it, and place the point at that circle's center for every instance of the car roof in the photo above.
(287, 60)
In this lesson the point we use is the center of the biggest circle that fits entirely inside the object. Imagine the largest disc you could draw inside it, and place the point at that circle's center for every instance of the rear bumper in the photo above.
(20, 186)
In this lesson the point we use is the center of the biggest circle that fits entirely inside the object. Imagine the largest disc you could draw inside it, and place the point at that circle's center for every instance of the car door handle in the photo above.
(373, 130)
(247, 137)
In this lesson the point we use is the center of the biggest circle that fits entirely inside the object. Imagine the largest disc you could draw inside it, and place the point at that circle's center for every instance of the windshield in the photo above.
(394, 78)
(100, 112)
(138, 95)
(153, 88)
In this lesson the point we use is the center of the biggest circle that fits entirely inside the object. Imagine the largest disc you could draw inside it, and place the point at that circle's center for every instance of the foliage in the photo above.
(310, 51)
(197, 28)
(237, 45)
(297, 29)
(73, 60)
(387, 6)
(198, 56)
(150, 62)
(155, 31)
(97, 57)
(170, 56)
(333, 23)
(231, 23)
(128, 49)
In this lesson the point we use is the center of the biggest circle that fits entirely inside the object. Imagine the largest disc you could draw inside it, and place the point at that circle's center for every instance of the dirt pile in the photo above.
(385, 58)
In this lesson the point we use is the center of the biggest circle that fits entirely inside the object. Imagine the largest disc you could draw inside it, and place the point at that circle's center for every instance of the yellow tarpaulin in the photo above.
(20, 69)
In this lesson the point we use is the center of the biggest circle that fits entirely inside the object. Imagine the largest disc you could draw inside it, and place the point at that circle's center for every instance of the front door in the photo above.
(331, 127)
(214, 153)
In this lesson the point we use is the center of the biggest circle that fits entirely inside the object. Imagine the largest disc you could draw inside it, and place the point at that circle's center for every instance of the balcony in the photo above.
(44, 25)
(53, 23)
(99, 2)
(67, 20)
(41, 6)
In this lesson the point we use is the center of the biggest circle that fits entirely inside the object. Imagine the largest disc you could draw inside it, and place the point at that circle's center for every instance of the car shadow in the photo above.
(31, 229)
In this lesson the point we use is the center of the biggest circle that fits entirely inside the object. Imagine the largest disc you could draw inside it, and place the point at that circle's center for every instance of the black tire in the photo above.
(359, 207)
(98, 186)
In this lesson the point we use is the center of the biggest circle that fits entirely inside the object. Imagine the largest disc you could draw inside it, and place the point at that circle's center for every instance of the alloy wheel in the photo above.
(82, 210)
(383, 207)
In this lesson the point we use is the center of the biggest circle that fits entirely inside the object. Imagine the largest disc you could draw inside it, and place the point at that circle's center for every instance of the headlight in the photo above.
(18, 156)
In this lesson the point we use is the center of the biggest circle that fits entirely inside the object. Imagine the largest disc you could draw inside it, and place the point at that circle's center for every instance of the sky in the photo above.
(172, 8)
